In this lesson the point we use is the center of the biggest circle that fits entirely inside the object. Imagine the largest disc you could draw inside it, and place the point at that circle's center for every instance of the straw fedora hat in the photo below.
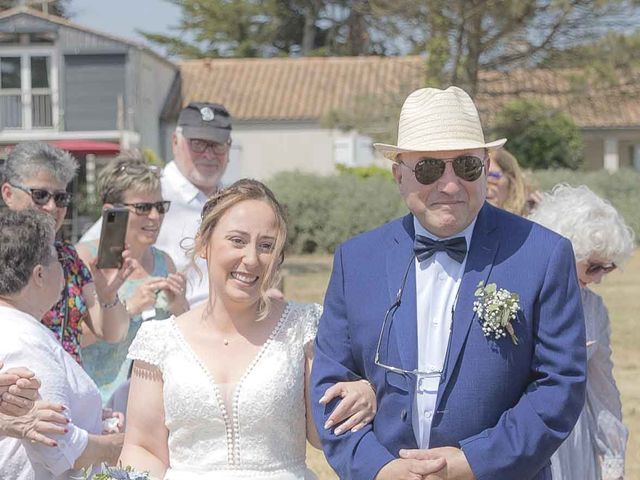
(434, 120)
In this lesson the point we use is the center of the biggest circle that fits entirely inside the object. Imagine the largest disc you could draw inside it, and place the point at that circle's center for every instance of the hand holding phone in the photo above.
(112, 237)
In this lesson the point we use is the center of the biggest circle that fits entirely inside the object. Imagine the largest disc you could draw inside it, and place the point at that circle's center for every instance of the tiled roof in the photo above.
(311, 87)
(567, 90)
(295, 88)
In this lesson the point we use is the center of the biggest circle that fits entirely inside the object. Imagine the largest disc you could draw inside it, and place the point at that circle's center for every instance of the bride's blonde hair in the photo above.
(222, 202)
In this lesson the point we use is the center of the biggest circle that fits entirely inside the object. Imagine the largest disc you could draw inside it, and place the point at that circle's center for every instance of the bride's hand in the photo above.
(356, 409)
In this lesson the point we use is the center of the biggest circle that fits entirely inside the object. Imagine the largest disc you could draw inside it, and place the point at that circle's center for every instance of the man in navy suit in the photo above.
(466, 319)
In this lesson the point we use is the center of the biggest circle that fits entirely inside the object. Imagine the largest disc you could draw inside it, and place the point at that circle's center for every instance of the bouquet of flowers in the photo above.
(116, 473)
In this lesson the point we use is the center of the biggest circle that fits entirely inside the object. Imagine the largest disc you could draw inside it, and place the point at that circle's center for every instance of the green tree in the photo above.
(463, 37)
(613, 59)
(264, 28)
(539, 136)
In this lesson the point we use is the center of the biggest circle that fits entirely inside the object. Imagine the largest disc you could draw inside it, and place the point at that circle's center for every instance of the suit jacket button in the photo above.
(403, 415)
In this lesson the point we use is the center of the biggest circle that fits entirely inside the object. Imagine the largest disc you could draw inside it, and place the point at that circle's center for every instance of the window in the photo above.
(41, 115)
(25, 91)
(10, 92)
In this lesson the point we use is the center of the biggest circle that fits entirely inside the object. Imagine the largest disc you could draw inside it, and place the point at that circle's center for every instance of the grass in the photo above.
(306, 279)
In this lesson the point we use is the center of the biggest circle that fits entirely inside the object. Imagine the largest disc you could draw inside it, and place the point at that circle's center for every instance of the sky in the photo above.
(123, 17)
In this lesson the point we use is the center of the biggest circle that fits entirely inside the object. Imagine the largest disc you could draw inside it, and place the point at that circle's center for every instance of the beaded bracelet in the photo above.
(107, 306)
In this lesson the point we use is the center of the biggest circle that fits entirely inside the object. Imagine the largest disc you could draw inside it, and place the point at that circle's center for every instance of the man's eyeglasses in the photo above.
(428, 170)
(387, 323)
(197, 145)
(144, 208)
(41, 196)
(596, 268)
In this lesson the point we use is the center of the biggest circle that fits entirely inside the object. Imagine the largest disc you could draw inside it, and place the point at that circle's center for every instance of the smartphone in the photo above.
(112, 236)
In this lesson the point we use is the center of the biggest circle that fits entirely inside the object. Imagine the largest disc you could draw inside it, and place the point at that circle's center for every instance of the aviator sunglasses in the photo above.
(41, 197)
(595, 268)
(144, 208)
(428, 170)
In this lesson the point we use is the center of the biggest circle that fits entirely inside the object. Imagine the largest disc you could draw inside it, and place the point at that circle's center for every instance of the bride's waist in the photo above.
(290, 472)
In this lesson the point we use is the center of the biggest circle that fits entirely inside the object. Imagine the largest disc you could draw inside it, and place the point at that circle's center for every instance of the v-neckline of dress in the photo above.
(232, 423)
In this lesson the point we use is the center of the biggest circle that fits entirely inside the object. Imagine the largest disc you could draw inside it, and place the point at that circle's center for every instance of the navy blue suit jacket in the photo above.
(507, 406)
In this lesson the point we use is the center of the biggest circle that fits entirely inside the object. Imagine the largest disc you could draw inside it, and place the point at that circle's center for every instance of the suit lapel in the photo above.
(482, 251)
(404, 329)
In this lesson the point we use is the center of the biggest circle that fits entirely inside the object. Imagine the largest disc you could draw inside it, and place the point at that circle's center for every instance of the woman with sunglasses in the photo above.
(506, 187)
(36, 175)
(602, 241)
(154, 290)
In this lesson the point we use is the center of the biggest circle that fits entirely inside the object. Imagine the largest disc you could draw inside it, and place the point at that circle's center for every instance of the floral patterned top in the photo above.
(71, 309)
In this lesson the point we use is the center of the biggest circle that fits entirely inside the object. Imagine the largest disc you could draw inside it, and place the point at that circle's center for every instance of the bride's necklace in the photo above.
(225, 342)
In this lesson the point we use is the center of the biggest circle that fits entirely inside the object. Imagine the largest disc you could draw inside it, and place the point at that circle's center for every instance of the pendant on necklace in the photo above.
(225, 341)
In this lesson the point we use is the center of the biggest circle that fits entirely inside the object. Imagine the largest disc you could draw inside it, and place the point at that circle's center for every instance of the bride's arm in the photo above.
(356, 408)
(312, 433)
(145, 443)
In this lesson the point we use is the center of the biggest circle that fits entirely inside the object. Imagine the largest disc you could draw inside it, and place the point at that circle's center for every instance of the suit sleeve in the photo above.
(526, 436)
(352, 455)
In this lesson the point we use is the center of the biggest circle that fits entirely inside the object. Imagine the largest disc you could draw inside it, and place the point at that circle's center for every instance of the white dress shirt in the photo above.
(25, 342)
(437, 281)
(178, 230)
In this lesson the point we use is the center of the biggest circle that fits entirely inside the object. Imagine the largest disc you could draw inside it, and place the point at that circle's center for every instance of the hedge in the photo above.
(323, 211)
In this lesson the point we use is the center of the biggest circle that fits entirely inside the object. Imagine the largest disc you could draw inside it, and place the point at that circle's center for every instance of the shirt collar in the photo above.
(180, 184)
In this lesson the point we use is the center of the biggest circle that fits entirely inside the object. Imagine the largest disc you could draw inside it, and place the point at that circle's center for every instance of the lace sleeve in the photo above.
(310, 318)
(150, 342)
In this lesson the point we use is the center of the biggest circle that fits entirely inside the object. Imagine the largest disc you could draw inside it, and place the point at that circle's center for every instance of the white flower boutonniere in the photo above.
(496, 308)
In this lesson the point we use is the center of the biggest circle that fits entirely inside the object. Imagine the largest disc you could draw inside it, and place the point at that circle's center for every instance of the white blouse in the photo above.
(595, 450)
(25, 342)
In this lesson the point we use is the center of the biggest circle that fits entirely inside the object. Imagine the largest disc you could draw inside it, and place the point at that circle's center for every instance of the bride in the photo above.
(221, 392)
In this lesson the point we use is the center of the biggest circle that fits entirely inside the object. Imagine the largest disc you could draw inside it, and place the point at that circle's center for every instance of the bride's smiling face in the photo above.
(240, 250)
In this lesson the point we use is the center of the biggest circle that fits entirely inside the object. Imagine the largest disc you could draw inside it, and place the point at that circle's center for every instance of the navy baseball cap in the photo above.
(208, 121)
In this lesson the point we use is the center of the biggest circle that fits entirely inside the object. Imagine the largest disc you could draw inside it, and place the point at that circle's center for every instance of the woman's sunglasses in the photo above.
(596, 268)
(144, 208)
(428, 170)
(139, 168)
(41, 197)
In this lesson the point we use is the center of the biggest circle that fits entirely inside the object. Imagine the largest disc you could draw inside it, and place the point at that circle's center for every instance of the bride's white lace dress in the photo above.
(263, 433)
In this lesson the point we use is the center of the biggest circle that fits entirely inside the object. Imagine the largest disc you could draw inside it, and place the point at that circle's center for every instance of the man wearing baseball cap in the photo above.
(466, 319)
(200, 145)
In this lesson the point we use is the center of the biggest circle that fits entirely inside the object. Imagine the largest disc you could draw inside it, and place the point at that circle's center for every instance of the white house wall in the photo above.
(262, 151)
(151, 80)
(604, 148)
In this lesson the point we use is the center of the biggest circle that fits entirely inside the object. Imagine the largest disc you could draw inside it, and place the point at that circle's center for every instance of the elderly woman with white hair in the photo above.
(602, 241)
